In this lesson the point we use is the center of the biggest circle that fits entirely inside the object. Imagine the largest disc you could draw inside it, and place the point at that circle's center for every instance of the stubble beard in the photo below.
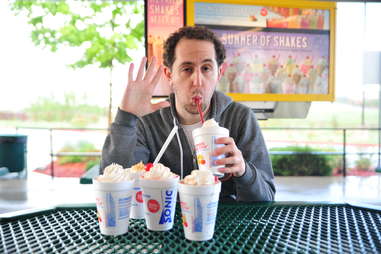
(193, 109)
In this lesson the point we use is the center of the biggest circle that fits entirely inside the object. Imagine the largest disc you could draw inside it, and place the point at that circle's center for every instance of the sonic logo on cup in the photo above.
(167, 209)
(201, 146)
(153, 206)
(139, 197)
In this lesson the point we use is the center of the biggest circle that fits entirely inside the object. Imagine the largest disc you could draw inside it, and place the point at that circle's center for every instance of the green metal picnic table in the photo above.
(264, 227)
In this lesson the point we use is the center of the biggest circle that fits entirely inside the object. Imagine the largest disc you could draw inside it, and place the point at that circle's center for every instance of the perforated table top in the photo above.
(240, 228)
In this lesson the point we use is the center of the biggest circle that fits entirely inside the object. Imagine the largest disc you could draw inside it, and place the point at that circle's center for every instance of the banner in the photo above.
(163, 17)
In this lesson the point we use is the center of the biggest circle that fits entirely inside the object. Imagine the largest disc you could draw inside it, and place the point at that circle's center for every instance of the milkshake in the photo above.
(113, 193)
(137, 211)
(199, 194)
(204, 141)
(159, 187)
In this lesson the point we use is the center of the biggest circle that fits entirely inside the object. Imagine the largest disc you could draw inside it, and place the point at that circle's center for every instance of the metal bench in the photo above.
(87, 178)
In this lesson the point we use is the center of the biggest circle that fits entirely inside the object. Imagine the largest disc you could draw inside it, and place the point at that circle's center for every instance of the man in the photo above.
(193, 58)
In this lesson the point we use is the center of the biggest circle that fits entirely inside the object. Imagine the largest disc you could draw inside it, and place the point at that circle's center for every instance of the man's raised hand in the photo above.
(137, 96)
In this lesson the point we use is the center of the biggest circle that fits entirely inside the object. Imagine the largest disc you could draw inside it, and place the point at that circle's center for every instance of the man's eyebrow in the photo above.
(186, 63)
(208, 60)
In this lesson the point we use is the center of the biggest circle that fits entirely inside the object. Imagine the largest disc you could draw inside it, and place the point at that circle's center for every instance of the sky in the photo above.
(354, 35)
(27, 71)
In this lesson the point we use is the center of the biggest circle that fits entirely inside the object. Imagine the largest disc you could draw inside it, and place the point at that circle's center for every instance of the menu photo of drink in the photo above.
(163, 17)
(274, 52)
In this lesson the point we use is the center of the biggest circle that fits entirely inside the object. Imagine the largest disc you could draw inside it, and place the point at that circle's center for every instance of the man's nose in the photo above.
(197, 78)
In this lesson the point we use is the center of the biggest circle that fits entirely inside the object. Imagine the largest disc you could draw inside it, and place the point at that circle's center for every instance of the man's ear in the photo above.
(168, 77)
(167, 73)
(221, 70)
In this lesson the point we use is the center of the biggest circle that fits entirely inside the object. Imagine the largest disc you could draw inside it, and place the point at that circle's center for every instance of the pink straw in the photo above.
(197, 100)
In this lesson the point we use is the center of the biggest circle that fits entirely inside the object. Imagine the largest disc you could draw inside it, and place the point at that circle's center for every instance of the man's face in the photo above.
(194, 73)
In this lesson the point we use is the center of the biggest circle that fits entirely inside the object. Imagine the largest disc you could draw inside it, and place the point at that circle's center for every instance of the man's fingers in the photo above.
(223, 150)
(228, 170)
(232, 160)
(141, 68)
(157, 76)
(150, 70)
(224, 140)
(130, 73)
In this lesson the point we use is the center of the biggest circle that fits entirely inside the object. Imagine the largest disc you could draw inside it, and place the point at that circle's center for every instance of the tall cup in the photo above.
(204, 140)
(159, 201)
(137, 211)
(199, 205)
(113, 200)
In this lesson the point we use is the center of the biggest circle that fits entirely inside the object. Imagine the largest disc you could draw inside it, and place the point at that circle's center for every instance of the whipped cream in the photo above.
(200, 177)
(139, 167)
(137, 170)
(159, 172)
(210, 123)
(115, 173)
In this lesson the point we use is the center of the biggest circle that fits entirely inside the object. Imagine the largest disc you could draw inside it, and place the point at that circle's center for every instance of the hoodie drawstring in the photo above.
(181, 150)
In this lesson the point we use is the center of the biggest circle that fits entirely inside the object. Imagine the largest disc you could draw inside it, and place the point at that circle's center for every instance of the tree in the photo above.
(104, 30)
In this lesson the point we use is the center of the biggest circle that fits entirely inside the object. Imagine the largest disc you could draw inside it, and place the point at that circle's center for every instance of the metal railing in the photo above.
(53, 154)
(343, 153)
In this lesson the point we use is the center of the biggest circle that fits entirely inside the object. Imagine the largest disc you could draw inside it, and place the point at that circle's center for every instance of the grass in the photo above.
(52, 113)
(80, 146)
(72, 109)
(326, 115)
(100, 123)
(330, 115)
(321, 115)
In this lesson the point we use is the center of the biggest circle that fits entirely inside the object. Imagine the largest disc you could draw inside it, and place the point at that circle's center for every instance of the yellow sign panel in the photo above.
(281, 51)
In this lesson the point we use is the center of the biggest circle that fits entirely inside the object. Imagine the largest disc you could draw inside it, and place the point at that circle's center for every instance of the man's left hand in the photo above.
(233, 161)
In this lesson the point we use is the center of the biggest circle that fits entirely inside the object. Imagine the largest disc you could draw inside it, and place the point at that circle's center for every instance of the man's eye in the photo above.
(206, 68)
(188, 69)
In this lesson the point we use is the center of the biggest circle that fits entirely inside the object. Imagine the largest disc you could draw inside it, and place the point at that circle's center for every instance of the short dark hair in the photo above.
(196, 33)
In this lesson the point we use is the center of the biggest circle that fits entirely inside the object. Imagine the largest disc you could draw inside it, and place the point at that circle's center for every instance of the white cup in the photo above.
(113, 200)
(204, 141)
(137, 210)
(199, 205)
(159, 201)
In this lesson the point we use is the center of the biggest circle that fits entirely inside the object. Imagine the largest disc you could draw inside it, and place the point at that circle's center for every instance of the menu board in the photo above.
(274, 51)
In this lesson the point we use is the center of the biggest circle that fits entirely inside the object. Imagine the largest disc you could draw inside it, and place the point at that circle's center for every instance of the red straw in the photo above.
(197, 101)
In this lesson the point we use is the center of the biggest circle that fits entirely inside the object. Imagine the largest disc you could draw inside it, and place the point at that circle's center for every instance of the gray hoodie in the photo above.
(133, 139)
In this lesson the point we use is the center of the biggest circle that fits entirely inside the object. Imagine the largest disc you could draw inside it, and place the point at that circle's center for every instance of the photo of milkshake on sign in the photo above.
(274, 62)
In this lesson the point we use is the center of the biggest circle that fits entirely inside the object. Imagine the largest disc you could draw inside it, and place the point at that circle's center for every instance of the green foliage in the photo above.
(92, 163)
(335, 162)
(303, 163)
(51, 110)
(81, 146)
(363, 163)
(105, 30)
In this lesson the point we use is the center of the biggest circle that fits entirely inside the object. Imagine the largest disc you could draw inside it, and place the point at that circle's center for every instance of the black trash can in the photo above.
(13, 152)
